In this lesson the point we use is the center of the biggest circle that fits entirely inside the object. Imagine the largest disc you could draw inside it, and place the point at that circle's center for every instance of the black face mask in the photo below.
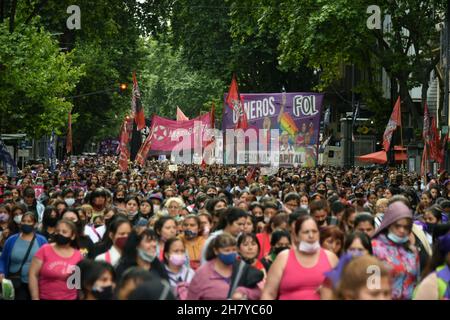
(259, 219)
(248, 261)
(50, 221)
(359, 194)
(105, 294)
(322, 191)
(62, 240)
(279, 249)
(321, 222)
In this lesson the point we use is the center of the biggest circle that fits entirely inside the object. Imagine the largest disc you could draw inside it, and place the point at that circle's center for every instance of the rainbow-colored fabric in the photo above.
(287, 124)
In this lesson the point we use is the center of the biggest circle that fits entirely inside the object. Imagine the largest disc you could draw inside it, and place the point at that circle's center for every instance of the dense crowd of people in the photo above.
(219, 232)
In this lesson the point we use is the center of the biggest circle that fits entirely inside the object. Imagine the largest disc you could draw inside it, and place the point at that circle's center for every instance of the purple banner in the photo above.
(296, 116)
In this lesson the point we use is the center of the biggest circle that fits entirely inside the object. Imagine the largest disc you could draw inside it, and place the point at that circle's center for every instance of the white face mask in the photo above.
(304, 206)
(18, 219)
(70, 201)
(258, 198)
(309, 247)
(266, 219)
(156, 208)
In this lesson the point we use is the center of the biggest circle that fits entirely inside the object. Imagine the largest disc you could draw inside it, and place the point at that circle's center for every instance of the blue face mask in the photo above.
(397, 239)
(227, 259)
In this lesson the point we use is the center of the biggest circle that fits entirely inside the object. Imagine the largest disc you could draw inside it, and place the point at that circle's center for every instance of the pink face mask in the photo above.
(177, 259)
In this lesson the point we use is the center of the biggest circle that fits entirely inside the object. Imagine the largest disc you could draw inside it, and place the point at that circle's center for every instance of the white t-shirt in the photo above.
(114, 256)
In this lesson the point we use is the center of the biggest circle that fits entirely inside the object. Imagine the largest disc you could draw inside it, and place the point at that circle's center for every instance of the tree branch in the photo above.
(36, 10)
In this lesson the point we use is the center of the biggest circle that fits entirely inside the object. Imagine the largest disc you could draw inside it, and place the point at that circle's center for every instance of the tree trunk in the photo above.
(12, 16)
(407, 101)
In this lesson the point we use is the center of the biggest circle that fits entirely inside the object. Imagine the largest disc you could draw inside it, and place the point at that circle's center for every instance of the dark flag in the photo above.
(51, 151)
(136, 107)
(69, 135)
(7, 159)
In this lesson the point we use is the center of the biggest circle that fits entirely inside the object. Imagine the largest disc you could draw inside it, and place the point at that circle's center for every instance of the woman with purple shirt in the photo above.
(212, 280)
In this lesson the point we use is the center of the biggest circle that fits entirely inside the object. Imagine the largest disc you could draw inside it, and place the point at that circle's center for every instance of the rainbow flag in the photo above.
(287, 124)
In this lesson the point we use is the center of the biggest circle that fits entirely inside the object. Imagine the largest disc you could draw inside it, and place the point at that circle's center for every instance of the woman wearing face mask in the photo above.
(432, 217)
(180, 275)
(97, 280)
(281, 240)
(16, 257)
(17, 212)
(6, 224)
(298, 273)
(304, 201)
(165, 228)
(205, 224)
(140, 251)
(358, 243)
(248, 250)
(391, 244)
(53, 264)
(278, 222)
(132, 209)
(49, 221)
(117, 237)
(85, 244)
(193, 240)
(212, 281)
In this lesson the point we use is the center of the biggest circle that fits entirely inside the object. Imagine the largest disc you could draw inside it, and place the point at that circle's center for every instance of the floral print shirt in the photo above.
(404, 265)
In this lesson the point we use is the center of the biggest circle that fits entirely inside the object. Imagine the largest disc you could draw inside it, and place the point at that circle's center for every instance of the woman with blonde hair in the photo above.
(173, 206)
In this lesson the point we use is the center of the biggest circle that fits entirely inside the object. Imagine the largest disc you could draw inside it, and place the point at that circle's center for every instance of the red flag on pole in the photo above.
(394, 122)
(235, 102)
(136, 107)
(426, 140)
(181, 116)
(124, 139)
(435, 141)
(69, 135)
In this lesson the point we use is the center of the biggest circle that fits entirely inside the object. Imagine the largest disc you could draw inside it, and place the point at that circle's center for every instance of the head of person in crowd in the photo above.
(28, 223)
(233, 221)
(280, 240)
(354, 278)
(432, 216)
(132, 207)
(307, 235)
(139, 250)
(205, 223)
(66, 234)
(191, 227)
(391, 191)
(304, 200)
(319, 210)
(270, 210)
(293, 217)
(358, 243)
(435, 192)
(251, 225)
(321, 188)
(173, 206)
(215, 205)
(248, 247)
(348, 220)
(86, 210)
(222, 250)
(426, 199)
(337, 210)
(292, 201)
(69, 197)
(257, 210)
(364, 222)
(130, 280)
(332, 239)
(29, 196)
(17, 212)
(381, 205)
(174, 254)
(397, 224)
(118, 232)
(165, 228)
(156, 199)
(97, 280)
(98, 199)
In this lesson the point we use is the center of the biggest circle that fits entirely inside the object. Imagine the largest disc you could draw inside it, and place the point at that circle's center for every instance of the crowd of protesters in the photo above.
(221, 232)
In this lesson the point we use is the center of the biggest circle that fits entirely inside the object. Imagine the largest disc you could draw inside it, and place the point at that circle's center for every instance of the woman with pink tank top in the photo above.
(298, 273)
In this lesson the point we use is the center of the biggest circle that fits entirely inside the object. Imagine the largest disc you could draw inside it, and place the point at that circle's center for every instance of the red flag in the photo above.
(181, 116)
(69, 135)
(136, 107)
(251, 174)
(124, 139)
(426, 125)
(145, 147)
(435, 141)
(424, 162)
(213, 118)
(394, 122)
(235, 102)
